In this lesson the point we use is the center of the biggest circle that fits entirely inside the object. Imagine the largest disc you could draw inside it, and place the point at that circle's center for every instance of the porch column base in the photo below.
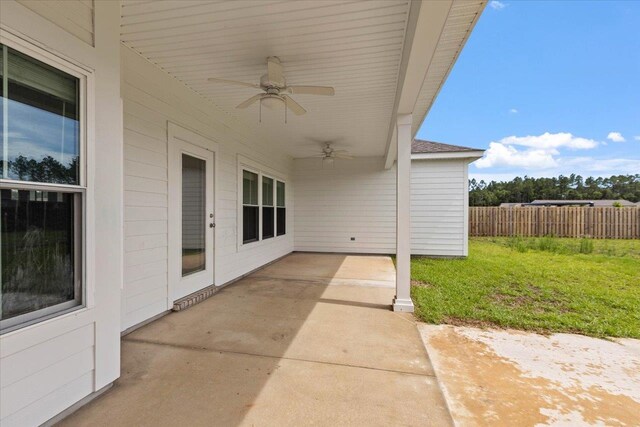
(403, 305)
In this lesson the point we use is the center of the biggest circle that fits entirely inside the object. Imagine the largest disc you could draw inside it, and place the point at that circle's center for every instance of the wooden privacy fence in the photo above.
(538, 221)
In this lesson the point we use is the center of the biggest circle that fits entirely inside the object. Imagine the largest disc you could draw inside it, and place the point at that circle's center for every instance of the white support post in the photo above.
(402, 301)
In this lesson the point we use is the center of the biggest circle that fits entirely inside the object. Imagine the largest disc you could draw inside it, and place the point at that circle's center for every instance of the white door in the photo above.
(191, 198)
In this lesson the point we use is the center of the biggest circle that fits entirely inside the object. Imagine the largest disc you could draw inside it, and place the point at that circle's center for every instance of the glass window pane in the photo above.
(282, 221)
(42, 137)
(193, 214)
(280, 195)
(249, 224)
(267, 222)
(1, 72)
(267, 191)
(249, 188)
(38, 250)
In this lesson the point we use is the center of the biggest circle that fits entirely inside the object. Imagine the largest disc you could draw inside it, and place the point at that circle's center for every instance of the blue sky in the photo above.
(547, 88)
(54, 136)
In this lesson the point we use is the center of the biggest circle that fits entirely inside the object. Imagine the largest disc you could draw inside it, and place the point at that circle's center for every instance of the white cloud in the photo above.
(497, 5)
(503, 155)
(551, 141)
(539, 153)
(513, 111)
(616, 137)
(637, 137)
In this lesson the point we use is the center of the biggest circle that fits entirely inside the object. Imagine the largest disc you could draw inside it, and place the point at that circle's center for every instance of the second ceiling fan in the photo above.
(275, 89)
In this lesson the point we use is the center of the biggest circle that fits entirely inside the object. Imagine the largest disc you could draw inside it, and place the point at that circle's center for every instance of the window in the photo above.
(262, 201)
(268, 216)
(250, 207)
(282, 210)
(41, 190)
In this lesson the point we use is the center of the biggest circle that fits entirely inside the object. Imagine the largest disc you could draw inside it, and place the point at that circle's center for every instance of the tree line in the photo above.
(46, 170)
(572, 187)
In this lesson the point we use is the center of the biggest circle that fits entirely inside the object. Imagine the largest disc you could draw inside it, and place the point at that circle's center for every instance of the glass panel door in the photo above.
(191, 219)
(193, 214)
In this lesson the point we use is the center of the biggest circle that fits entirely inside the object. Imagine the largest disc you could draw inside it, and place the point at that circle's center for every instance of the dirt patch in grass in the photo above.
(421, 284)
(532, 297)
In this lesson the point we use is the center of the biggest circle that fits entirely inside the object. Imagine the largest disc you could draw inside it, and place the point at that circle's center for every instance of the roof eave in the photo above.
(415, 94)
(469, 155)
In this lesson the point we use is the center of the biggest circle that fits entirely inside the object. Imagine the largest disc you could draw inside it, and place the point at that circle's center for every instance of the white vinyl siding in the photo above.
(61, 367)
(73, 16)
(50, 365)
(151, 99)
(356, 198)
(438, 191)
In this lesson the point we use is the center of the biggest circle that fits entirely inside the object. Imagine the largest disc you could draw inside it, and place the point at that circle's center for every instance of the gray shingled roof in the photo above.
(419, 146)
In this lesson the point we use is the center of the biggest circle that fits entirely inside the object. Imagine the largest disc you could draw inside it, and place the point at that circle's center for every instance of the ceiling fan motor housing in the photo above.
(275, 89)
(270, 85)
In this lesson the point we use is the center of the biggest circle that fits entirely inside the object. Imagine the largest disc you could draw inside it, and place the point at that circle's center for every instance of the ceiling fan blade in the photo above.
(343, 156)
(341, 151)
(274, 70)
(311, 90)
(294, 106)
(250, 101)
(233, 82)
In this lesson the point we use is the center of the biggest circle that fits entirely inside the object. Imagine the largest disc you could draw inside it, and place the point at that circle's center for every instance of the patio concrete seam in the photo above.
(268, 356)
(324, 281)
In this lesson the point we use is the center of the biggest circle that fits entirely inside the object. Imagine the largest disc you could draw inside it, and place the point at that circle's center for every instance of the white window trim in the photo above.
(275, 180)
(85, 186)
(284, 206)
(250, 165)
(259, 205)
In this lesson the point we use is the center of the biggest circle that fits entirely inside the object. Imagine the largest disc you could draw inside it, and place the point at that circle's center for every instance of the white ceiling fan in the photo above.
(275, 89)
(329, 154)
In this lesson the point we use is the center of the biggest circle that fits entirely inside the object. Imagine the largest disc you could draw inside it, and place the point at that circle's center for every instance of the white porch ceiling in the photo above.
(354, 46)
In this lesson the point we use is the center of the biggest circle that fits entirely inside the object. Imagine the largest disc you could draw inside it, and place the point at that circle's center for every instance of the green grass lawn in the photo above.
(590, 287)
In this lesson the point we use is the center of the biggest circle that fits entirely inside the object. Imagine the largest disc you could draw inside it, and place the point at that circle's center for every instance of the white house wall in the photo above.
(50, 365)
(73, 16)
(152, 99)
(438, 205)
(356, 198)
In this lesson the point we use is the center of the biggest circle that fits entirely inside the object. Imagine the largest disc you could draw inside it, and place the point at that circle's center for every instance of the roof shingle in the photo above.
(419, 146)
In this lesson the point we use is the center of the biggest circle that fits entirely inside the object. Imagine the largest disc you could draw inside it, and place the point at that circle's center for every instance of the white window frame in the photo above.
(284, 206)
(258, 205)
(262, 206)
(245, 163)
(84, 210)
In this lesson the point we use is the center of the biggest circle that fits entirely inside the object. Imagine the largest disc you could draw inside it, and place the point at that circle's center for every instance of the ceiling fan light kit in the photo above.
(275, 90)
(328, 162)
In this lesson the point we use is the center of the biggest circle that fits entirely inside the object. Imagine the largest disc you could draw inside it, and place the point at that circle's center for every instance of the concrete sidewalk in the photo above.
(509, 378)
(307, 340)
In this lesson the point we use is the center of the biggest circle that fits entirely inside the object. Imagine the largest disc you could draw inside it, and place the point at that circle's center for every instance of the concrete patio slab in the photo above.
(506, 377)
(339, 269)
(279, 350)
